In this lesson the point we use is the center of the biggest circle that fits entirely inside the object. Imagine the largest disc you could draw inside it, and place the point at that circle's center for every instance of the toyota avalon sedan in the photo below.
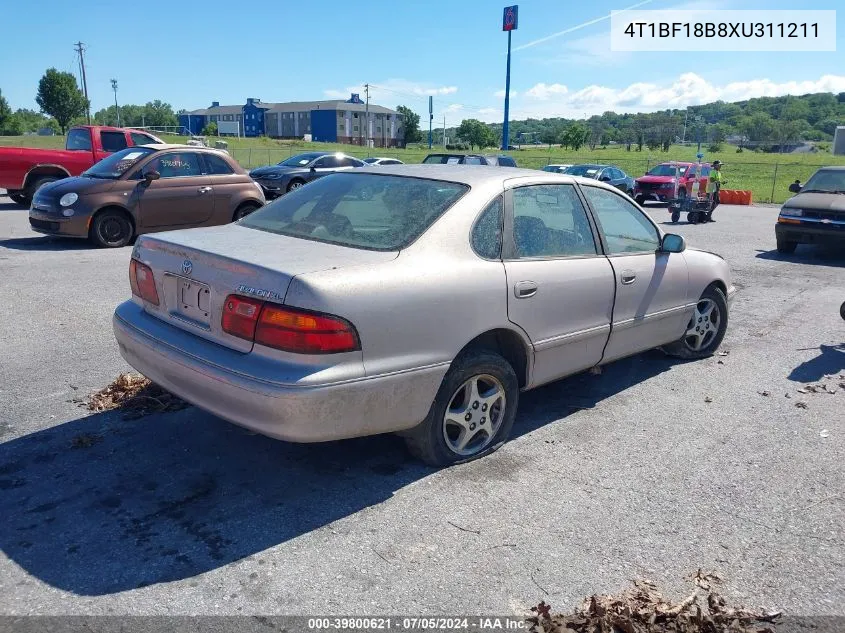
(423, 308)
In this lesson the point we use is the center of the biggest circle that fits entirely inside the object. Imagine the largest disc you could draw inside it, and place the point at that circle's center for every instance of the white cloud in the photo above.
(453, 107)
(500, 94)
(542, 91)
(687, 90)
(393, 91)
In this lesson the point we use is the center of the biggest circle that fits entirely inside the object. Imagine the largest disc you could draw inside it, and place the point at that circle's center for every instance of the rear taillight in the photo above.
(288, 329)
(142, 281)
(240, 316)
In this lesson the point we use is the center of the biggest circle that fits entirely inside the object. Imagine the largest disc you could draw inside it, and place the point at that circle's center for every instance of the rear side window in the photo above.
(507, 161)
(176, 165)
(217, 166)
(487, 233)
(141, 139)
(78, 140)
(113, 141)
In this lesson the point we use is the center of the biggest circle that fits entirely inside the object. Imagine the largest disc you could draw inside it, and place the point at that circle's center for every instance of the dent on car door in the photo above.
(182, 196)
(560, 289)
(651, 286)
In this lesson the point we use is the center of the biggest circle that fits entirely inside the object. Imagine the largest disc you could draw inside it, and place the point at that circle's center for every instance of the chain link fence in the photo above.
(769, 181)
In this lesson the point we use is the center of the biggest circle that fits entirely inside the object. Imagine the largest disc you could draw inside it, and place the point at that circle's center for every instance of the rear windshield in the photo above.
(116, 165)
(442, 159)
(667, 170)
(359, 210)
(589, 171)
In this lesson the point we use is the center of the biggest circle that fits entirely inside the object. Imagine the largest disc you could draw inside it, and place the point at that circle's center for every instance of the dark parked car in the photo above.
(469, 159)
(816, 214)
(610, 174)
(294, 172)
(146, 189)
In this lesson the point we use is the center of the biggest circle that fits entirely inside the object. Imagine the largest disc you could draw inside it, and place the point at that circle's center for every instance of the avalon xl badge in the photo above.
(187, 267)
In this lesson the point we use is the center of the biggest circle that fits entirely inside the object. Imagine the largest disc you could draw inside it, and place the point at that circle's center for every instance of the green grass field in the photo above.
(767, 175)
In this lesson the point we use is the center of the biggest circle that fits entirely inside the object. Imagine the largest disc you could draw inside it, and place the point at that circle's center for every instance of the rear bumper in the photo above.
(810, 233)
(314, 413)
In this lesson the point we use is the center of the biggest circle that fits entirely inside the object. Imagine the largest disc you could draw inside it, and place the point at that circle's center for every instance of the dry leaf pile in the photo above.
(136, 395)
(642, 609)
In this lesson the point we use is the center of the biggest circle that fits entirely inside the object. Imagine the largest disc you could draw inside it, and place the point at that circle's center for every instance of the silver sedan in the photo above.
(416, 299)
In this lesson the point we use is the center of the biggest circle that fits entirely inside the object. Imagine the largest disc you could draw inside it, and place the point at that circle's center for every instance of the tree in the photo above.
(59, 96)
(210, 129)
(475, 133)
(158, 114)
(574, 136)
(410, 125)
(5, 110)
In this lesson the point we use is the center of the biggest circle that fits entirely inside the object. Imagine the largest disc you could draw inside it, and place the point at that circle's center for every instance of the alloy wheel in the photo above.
(474, 415)
(703, 326)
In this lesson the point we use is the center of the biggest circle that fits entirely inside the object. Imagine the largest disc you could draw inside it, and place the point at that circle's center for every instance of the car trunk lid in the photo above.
(195, 270)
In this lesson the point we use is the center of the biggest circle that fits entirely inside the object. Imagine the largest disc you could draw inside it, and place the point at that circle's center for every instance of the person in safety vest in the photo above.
(714, 184)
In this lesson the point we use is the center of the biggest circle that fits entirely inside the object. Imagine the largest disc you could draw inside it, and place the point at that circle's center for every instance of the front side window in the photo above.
(626, 229)
(487, 233)
(176, 165)
(327, 162)
(113, 141)
(550, 221)
(473, 160)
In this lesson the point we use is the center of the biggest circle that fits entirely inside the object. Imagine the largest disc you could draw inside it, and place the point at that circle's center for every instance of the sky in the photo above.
(192, 53)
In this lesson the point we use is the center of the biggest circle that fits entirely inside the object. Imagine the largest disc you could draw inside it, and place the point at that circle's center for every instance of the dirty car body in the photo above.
(816, 214)
(326, 315)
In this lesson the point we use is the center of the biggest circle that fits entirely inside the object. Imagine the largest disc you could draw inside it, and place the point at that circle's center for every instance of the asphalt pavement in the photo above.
(654, 468)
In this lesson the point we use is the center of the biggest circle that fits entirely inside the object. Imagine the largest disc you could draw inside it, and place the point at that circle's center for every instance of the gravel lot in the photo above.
(653, 468)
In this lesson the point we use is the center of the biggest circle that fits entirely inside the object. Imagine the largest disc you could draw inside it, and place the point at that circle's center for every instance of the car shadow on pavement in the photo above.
(101, 505)
(47, 243)
(808, 254)
(831, 360)
(11, 206)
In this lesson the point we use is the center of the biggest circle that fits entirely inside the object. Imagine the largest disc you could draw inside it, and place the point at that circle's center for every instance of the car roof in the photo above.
(163, 146)
(475, 175)
(832, 168)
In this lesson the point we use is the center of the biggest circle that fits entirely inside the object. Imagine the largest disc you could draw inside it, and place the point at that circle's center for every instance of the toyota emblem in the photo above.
(187, 267)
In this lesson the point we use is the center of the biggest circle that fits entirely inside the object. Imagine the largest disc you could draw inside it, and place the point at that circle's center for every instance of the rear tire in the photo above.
(46, 180)
(472, 414)
(20, 198)
(640, 200)
(785, 246)
(706, 327)
(244, 210)
(111, 229)
(842, 310)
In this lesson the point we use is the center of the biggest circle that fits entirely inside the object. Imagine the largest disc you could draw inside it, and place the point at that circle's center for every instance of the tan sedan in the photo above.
(146, 189)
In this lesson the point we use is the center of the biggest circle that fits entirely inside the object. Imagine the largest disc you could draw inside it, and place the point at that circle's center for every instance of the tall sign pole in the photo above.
(509, 23)
(430, 118)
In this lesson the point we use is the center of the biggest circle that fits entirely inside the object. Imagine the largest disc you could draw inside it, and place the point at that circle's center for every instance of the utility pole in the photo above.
(116, 109)
(430, 118)
(684, 135)
(444, 131)
(367, 112)
(80, 49)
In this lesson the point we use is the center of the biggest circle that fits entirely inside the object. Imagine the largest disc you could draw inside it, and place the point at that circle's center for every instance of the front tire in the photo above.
(296, 183)
(472, 414)
(111, 229)
(842, 310)
(706, 327)
(676, 215)
(785, 246)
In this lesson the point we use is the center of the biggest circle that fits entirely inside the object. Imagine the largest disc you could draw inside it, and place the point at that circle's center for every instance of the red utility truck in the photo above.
(24, 169)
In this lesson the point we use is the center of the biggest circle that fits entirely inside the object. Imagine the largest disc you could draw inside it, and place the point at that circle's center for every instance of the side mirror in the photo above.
(313, 169)
(151, 175)
(795, 187)
(673, 244)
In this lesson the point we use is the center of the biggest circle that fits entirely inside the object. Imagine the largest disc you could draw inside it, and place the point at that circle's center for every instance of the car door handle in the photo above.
(204, 189)
(524, 289)
(628, 278)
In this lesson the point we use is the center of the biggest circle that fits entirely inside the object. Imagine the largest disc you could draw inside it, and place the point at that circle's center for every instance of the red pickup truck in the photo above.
(24, 169)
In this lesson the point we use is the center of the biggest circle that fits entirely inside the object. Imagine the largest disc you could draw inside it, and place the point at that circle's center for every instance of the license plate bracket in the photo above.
(192, 300)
